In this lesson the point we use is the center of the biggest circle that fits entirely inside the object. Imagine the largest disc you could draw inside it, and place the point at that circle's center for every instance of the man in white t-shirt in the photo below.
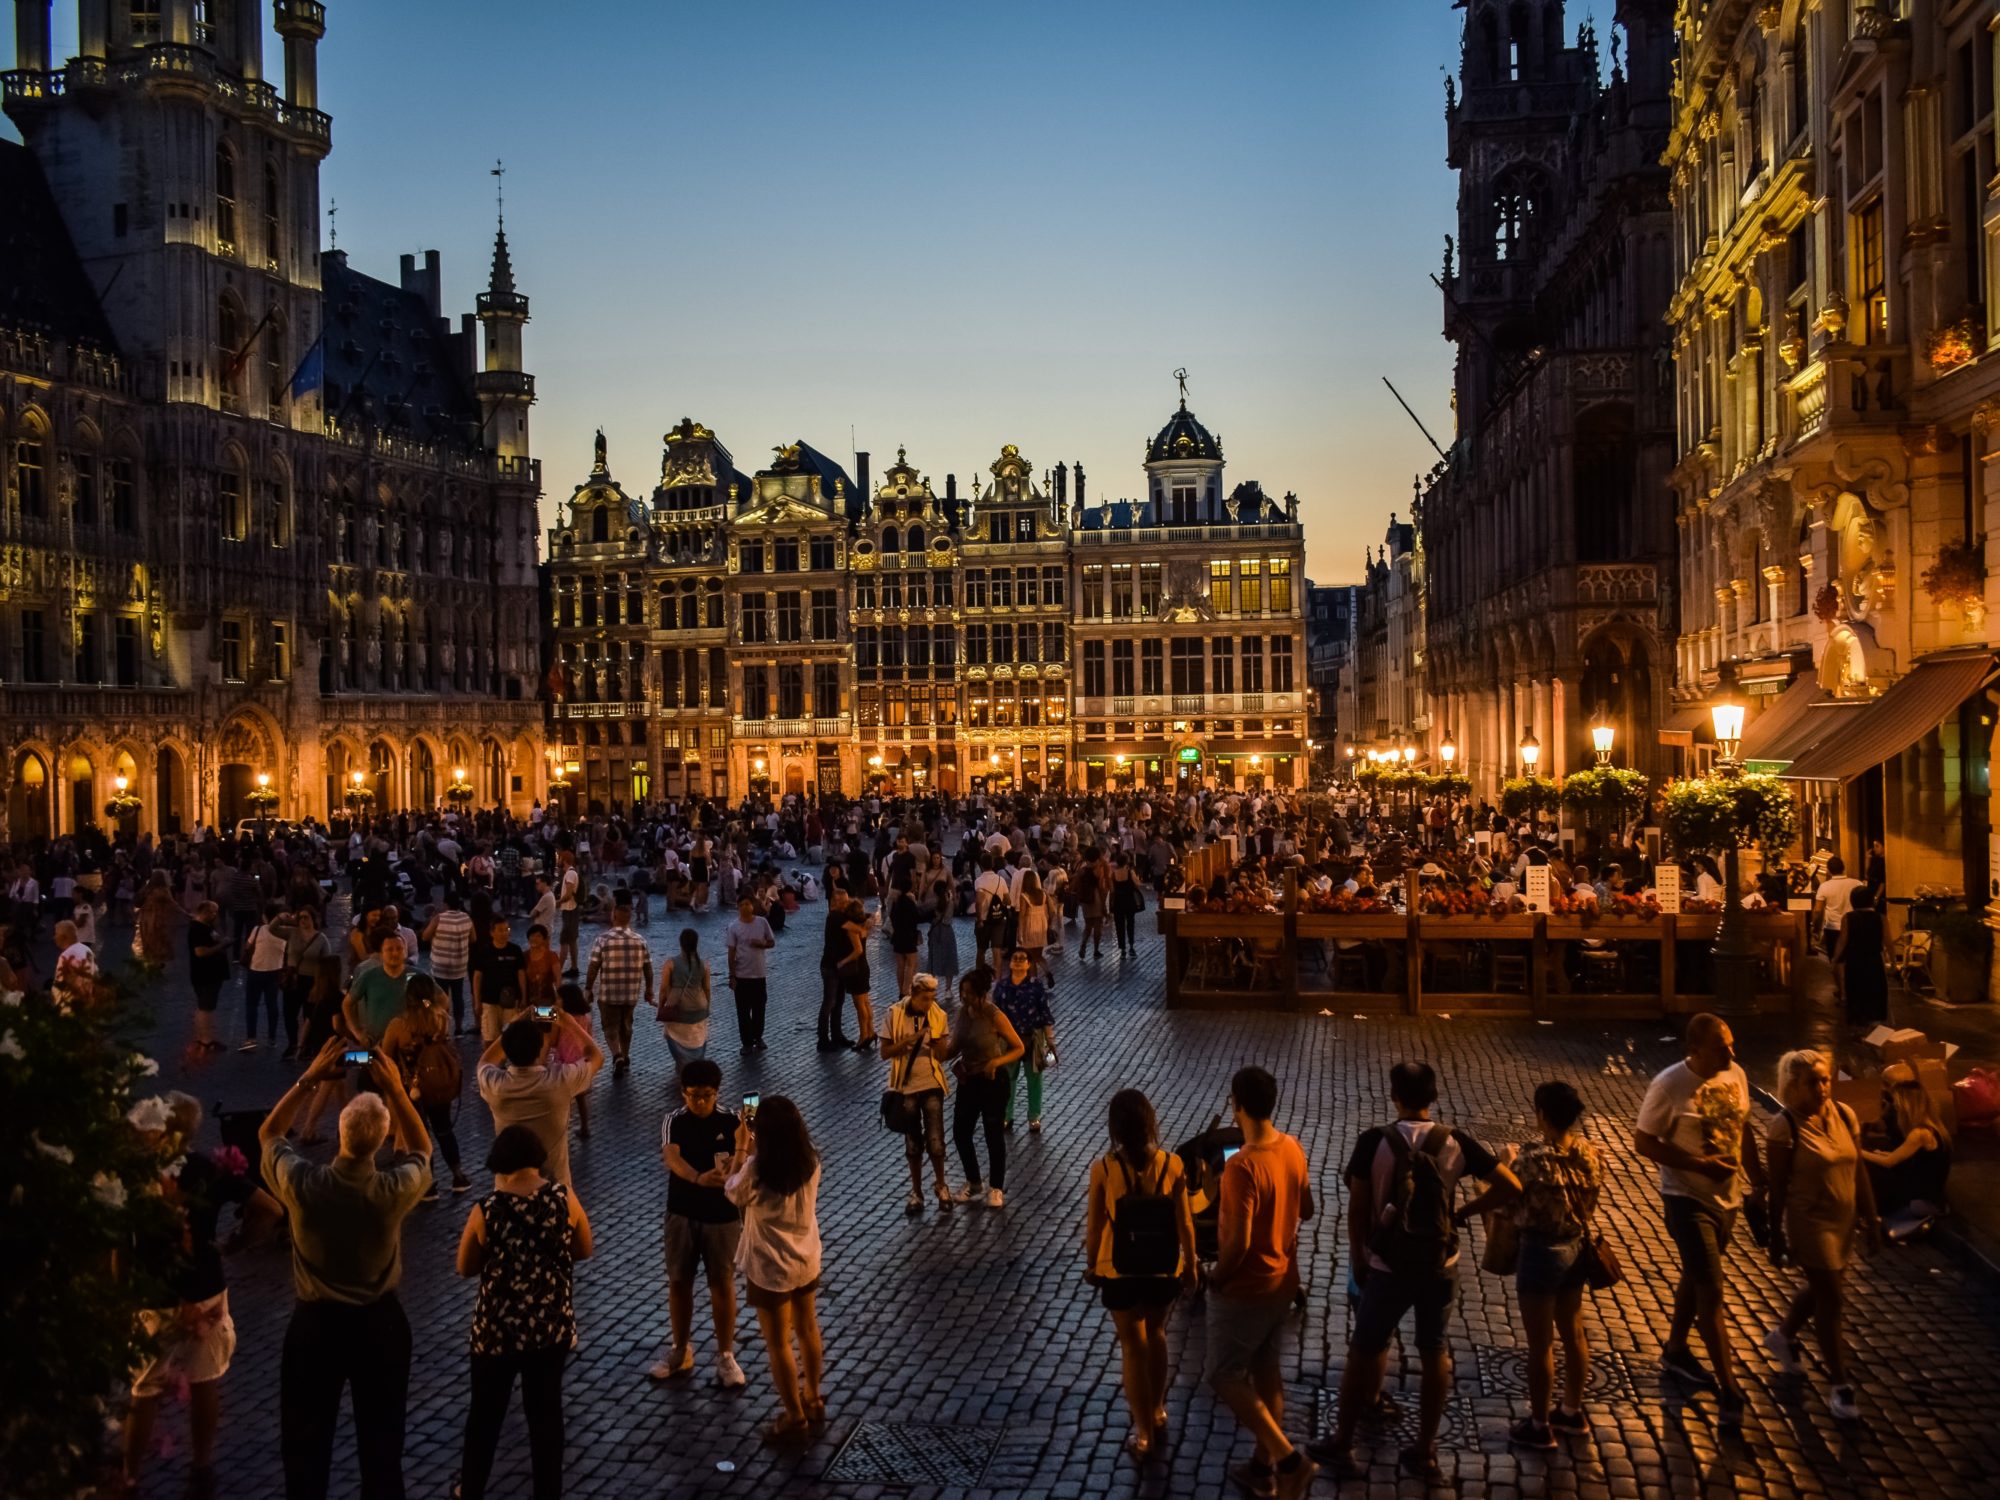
(991, 885)
(569, 887)
(1695, 1123)
(1832, 901)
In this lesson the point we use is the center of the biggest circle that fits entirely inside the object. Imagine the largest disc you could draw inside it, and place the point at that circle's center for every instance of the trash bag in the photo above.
(1976, 1098)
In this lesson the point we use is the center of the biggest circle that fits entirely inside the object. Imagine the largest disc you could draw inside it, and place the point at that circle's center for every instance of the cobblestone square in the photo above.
(967, 1357)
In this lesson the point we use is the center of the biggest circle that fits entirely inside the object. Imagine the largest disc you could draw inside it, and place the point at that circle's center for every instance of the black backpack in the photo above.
(1414, 1234)
(1145, 1227)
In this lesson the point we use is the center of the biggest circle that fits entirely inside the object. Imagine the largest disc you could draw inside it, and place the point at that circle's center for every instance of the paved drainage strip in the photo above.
(903, 1454)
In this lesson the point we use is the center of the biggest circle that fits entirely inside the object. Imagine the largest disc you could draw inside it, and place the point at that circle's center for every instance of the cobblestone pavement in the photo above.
(966, 1357)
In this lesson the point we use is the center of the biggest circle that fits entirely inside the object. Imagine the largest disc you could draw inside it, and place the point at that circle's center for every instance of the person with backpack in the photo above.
(1818, 1195)
(992, 911)
(420, 1041)
(1139, 1247)
(1562, 1177)
(1093, 891)
(1265, 1193)
(1402, 1182)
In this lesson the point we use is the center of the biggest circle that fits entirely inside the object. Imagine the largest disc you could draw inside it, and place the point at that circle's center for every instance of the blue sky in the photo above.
(940, 225)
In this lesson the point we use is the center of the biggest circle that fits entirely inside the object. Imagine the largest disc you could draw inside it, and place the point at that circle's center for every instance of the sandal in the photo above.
(1138, 1445)
(816, 1413)
(784, 1429)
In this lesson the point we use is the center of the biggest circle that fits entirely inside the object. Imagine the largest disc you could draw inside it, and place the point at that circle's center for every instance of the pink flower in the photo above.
(230, 1160)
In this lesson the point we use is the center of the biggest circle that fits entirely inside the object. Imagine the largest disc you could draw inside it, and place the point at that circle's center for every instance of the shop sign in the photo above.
(1189, 753)
(1667, 887)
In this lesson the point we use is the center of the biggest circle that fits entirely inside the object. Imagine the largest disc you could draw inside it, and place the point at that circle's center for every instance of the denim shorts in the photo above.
(1548, 1266)
(1387, 1296)
(1701, 1234)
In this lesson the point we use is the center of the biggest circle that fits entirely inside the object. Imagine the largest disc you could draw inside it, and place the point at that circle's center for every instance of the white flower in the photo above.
(107, 1190)
(10, 1046)
(60, 1153)
(148, 1114)
(147, 1067)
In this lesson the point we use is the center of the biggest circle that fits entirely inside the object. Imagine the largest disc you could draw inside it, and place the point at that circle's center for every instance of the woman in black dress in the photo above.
(1858, 956)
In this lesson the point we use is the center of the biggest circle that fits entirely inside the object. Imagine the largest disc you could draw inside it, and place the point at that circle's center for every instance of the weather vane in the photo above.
(500, 188)
(1181, 376)
(333, 222)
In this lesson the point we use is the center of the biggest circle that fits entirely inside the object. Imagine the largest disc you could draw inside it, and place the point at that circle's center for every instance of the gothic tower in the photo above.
(190, 187)
(1509, 136)
(505, 390)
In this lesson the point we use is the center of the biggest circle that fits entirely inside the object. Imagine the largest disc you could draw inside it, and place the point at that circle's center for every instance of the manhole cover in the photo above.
(1503, 1374)
(1458, 1429)
(899, 1453)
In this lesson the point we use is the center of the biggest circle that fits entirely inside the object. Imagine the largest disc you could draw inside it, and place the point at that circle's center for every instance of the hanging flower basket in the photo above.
(1368, 774)
(1528, 796)
(262, 798)
(1710, 814)
(122, 806)
(459, 791)
(1952, 346)
(359, 796)
(1958, 577)
(1604, 797)
(1447, 784)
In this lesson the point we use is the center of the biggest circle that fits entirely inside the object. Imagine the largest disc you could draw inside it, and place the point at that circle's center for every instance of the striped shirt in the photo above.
(621, 968)
(451, 945)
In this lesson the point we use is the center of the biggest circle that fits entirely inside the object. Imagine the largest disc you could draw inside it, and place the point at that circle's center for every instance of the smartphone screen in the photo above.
(1229, 1151)
(750, 1103)
(545, 1012)
(356, 1057)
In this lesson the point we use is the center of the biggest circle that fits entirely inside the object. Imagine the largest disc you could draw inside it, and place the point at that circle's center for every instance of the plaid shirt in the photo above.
(621, 968)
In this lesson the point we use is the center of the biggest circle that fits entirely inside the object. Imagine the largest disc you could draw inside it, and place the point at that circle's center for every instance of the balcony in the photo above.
(1190, 703)
(1848, 386)
(789, 729)
(1275, 531)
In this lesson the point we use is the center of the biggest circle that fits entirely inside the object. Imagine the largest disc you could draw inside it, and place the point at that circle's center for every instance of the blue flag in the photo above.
(311, 371)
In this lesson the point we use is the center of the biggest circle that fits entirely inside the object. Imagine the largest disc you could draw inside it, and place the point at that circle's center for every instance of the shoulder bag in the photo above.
(900, 1111)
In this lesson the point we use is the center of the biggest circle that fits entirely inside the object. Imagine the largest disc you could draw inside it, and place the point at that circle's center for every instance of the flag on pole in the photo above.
(307, 378)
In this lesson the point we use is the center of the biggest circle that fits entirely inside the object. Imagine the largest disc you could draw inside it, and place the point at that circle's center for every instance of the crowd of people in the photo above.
(365, 947)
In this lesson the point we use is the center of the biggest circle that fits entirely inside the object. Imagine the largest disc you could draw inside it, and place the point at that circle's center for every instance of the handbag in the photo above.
(1502, 1255)
(1601, 1265)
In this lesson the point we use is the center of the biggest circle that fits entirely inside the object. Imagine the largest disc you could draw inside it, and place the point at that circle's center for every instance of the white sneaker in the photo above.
(729, 1374)
(1840, 1401)
(996, 1199)
(1783, 1351)
(680, 1362)
(970, 1193)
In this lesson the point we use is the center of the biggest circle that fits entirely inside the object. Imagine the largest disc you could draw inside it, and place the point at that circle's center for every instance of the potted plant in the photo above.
(1448, 784)
(1961, 949)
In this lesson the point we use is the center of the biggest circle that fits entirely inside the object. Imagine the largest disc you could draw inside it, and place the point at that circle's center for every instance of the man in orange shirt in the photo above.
(1265, 1193)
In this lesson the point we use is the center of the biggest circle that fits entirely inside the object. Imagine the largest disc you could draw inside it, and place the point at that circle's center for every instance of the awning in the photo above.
(1682, 725)
(1769, 736)
(1915, 704)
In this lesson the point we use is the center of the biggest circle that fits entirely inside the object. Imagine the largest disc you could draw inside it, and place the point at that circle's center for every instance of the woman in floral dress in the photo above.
(522, 1241)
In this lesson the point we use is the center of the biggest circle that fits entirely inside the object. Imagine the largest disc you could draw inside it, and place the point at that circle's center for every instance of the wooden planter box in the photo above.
(1513, 928)
(1333, 926)
(1567, 926)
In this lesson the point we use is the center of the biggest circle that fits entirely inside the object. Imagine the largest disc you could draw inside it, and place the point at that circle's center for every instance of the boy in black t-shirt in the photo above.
(702, 1224)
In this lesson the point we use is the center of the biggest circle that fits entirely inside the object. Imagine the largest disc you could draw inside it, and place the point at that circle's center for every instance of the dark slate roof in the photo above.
(1117, 515)
(390, 364)
(1183, 437)
(43, 286)
(812, 461)
(1250, 505)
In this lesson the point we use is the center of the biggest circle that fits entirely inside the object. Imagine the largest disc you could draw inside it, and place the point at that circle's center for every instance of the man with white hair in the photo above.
(347, 1259)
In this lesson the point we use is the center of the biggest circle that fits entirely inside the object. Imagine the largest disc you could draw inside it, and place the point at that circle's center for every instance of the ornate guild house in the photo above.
(269, 523)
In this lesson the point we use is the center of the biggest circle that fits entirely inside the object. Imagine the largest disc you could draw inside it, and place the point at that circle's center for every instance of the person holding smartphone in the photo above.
(703, 1226)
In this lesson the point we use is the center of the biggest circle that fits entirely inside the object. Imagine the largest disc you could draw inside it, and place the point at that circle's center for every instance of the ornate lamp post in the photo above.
(1735, 964)
(459, 793)
(1350, 762)
(263, 799)
(1602, 734)
(1531, 753)
(357, 796)
(122, 804)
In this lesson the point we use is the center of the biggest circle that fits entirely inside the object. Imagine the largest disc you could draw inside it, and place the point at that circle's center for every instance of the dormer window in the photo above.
(600, 525)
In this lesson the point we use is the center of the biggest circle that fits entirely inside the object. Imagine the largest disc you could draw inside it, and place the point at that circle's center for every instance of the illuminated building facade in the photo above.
(269, 523)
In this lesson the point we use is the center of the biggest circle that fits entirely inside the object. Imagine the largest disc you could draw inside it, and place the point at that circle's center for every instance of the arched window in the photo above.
(892, 540)
(1516, 197)
(31, 470)
(232, 501)
(600, 525)
(225, 200)
(271, 216)
(916, 546)
(278, 508)
(228, 349)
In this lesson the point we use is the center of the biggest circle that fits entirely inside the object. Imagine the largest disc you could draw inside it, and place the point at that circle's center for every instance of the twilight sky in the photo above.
(944, 226)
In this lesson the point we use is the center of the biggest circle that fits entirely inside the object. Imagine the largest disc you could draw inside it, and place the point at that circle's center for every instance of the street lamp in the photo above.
(1447, 752)
(1531, 752)
(459, 793)
(1409, 755)
(1734, 964)
(1601, 736)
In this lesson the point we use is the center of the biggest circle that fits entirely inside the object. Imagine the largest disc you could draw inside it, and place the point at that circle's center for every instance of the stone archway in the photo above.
(170, 790)
(30, 800)
(245, 749)
(382, 775)
(423, 775)
(80, 774)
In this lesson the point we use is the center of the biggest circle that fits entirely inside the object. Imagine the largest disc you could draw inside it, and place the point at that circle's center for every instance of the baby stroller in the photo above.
(1201, 1159)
